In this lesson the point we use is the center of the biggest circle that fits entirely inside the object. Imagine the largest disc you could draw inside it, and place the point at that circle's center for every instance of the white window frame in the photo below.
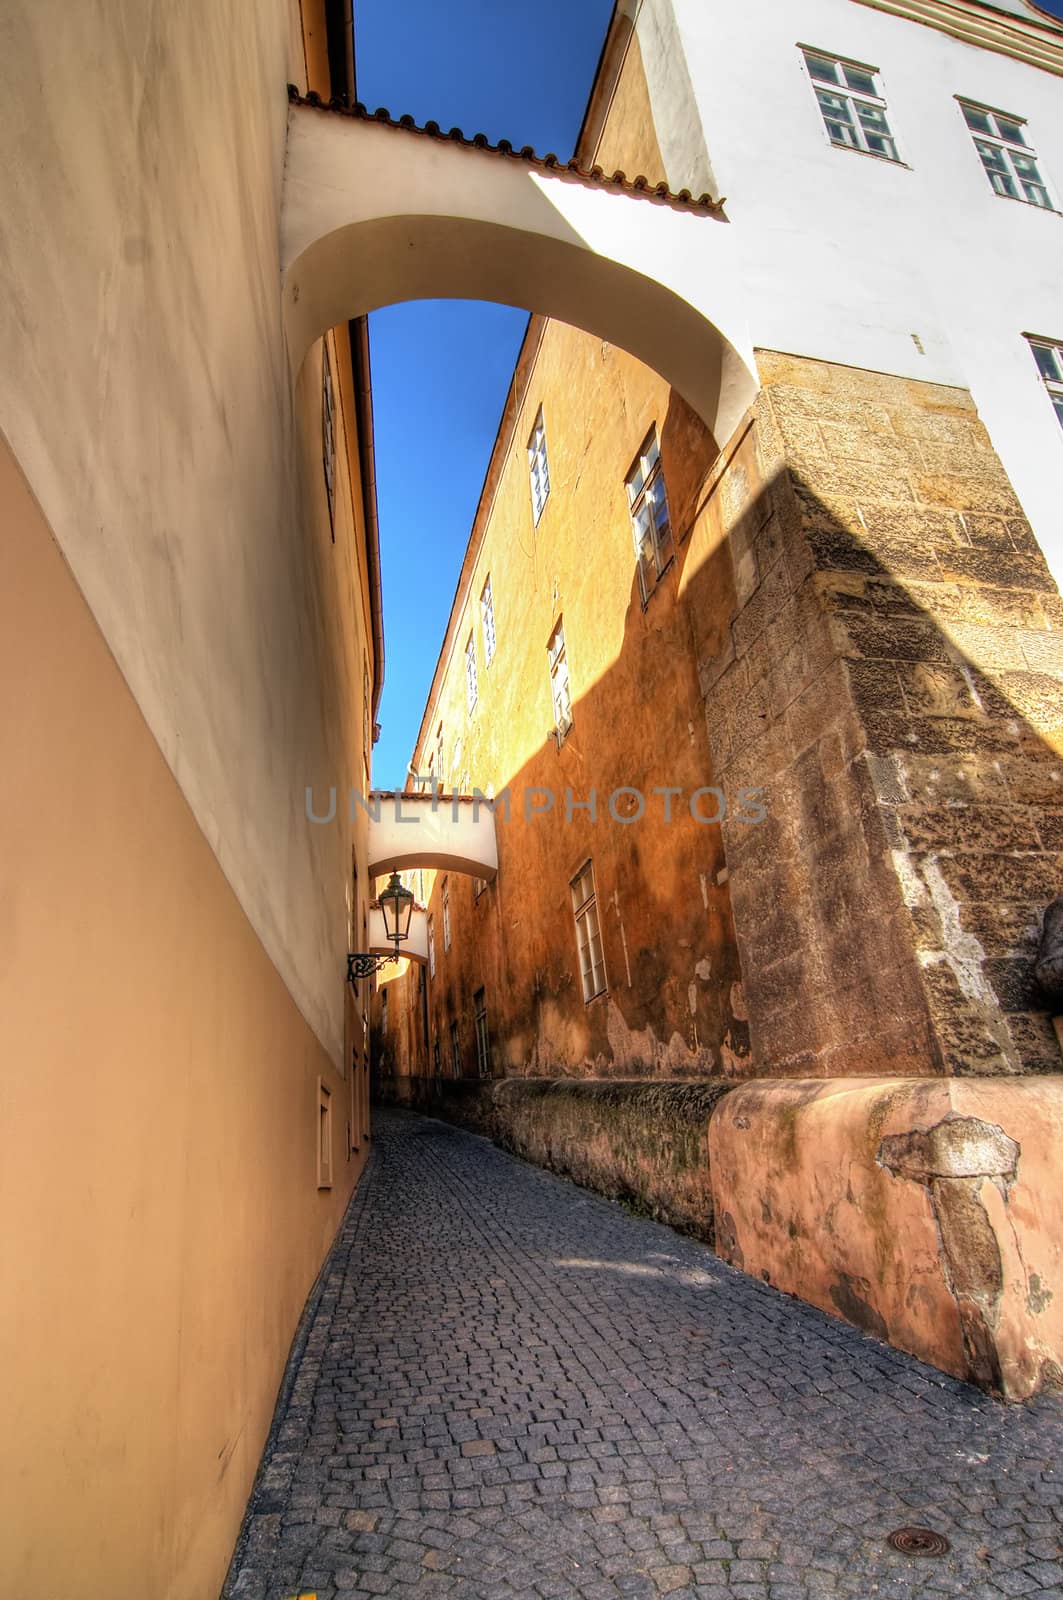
(589, 946)
(431, 946)
(654, 550)
(444, 895)
(995, 139)
(872, 100)
(1054, 386)
(538, 467)
(483, 1034)
(487, 614)
(472, 682)
(560, 683)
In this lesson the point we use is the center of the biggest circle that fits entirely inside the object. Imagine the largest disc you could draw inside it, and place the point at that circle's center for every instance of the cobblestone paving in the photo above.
(513, 1388)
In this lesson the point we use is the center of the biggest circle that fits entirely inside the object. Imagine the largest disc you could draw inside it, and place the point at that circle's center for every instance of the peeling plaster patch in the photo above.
(738, 1003)
(703, 970)
(952, 1160)
(849, 1295)
(1037, 1297)
(692, 998)
(623, 935)
(704, 890)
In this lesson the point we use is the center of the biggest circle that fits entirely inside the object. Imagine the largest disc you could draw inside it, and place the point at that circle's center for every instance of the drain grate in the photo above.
(918, 1542)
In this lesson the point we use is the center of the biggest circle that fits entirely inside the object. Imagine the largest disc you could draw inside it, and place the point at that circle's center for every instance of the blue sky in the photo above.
(441, 368)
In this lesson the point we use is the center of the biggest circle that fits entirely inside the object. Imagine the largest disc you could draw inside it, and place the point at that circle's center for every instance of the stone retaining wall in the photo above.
(642, 1142)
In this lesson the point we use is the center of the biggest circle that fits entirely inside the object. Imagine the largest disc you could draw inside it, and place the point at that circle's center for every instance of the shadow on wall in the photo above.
(858, 622)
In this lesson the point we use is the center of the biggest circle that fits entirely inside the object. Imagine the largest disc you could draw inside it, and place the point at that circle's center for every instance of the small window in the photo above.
(439, 767)
(1010, 164)
(588, 933)
(650, 519)
(446, 913)
(324, 1136)
(559, 684)
(471, 687)
(854, 112)
(431, 947)
(487, 612)
(455, 1050)
(328, 436)
(538, 467)
(483, 1037)
(384, 1013)
(1048, 353)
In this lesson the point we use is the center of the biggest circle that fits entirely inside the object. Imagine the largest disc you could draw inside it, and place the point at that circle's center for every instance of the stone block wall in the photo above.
(639, 1141)
(891, 680)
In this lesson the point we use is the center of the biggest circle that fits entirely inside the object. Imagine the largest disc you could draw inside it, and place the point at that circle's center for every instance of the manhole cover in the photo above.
(918, 1542)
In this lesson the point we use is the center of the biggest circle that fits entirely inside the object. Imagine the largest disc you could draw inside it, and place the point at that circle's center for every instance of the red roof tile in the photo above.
(479, 141)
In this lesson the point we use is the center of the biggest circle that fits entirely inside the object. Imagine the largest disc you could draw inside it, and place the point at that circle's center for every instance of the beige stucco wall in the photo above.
(158, 1105)
(145, 391)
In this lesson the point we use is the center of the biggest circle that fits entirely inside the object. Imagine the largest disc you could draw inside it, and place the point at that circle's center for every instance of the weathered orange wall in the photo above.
(925, 1211)
(158, 1177)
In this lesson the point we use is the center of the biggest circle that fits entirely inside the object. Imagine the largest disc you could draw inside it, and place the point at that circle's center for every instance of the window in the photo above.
(853, 110)
(487, 612)
(650, 521)
(559, 686)
(328, 435)
(384, 1013)
(446, 913)
(455, 1050)
(367, 729)
(483, 1037)
(538, 467)
(1048, 353)
(324, 1136)
(1008, 160)
(431, 947)
(436, 1062)
(471, 688)
(439, 768)
(588, 933)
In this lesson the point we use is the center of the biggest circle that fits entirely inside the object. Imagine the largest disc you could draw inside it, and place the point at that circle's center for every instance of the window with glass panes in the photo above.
(1010, 164)
(1048, 353)
(854, 111)
(588, 933)
(487, 612)
(445, 898)
(538, 466)
(559, 685)
(483, 1037)
(471, 686)
(650, 521)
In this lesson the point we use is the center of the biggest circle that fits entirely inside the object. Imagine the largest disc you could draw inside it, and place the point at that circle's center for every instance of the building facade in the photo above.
(190, 639)
(778, 713)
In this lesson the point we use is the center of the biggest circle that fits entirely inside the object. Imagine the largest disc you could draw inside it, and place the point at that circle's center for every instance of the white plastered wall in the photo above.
(845, 257)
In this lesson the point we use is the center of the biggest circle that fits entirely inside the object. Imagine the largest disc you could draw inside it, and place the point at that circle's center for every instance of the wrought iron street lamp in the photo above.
(396, 906)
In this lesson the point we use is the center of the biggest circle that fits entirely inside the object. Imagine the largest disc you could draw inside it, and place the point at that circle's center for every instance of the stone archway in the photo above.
(376, 213)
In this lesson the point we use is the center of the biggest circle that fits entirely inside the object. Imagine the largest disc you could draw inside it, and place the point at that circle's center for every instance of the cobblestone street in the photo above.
(510, 1387)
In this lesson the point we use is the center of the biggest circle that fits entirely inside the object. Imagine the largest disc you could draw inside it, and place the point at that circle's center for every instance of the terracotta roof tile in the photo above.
(480, 141)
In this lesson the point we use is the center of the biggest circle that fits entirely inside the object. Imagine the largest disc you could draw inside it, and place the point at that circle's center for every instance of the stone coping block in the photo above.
(926, 1211)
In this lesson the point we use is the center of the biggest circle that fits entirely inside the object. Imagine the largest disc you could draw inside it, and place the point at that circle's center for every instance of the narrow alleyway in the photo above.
(512, 1388)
